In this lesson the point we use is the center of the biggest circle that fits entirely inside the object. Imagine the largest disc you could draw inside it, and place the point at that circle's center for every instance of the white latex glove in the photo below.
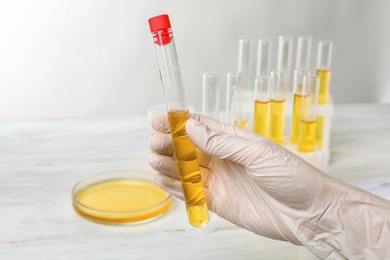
(260, 186)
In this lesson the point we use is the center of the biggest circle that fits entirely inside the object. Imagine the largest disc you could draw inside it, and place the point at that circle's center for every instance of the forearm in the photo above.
(354, 225)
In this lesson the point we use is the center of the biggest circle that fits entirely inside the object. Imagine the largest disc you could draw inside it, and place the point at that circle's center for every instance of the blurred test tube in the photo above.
(210, 98)
(234, 98)
(303, 52)
(285, 46)
(263, 58)
(307, 132)
(262, 106)
(278, 98)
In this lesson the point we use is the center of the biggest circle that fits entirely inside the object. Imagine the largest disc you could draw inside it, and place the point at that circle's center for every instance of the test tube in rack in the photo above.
(303, 52)
(278, 100)
(298, 98)
(306, 140)
(185, 150)
(324, 59)
(210, 95)
(262, 107)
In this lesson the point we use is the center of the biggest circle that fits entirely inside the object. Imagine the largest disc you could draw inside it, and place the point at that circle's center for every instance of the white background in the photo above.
(62, 59)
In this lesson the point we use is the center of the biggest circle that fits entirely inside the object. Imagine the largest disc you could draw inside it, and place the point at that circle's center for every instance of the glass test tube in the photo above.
(244, 61)
(278, 99)
(310, 89)
(299, 74)
(263, 58)
(285, 46)
(262, 106)
(210, 99)
(303, 52)
(234, 100)
(185, 150)
(324, 59)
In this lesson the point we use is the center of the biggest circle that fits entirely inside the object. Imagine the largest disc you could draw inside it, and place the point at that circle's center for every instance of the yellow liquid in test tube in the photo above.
(261, 118)
(189, 169)
(307, 136)
(277, 121)
(244, 123)
(296, 117)
(323, 98)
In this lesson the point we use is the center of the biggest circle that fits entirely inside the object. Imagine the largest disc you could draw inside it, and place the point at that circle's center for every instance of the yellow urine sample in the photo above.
(121, 201)
(261, 118)
(320, 131)
(296, 116)
(244, 123)
(185, 152)
(307, 135)
(323, 95)
(277, 121)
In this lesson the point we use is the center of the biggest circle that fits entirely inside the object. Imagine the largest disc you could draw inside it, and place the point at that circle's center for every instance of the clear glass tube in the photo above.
(278, 100)
(263, 58)
(244, 61)
(185, 150)
(303, 52)
(210, 98)
(324, 60)
(298, 98)
(285, 47)
(262, 107)
(307, 135)
(234, 99)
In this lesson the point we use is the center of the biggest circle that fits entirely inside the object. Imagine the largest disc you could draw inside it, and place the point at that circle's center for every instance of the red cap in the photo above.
(160, 22)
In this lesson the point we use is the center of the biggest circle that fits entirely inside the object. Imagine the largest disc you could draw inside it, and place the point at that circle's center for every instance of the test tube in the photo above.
(210, 99)
(324, 59)
(285, 46)
(299, 74)
(244, 61)
(303, 52)
(185, 150)
(263, 58)
(262, 106)
(278, 99)
(234, 99)
(310, 89)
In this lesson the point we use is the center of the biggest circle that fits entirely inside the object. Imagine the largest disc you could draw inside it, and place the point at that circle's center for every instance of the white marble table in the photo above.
(40, 161)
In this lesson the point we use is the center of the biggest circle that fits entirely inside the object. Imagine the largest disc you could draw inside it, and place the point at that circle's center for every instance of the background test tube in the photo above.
(244, 61)
(278, 97)
(262, 107)
(210, 98)
(234, 99)
(185, 150)
(310, 89)
(324, 59)
(263, 58)
(285, 46)
(298, 98)
(303, 52)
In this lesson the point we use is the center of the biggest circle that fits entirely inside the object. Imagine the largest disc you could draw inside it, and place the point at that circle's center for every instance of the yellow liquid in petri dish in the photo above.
(121, 201)
(185, 152)
(307, 136)
(261, 118)
(277, 121)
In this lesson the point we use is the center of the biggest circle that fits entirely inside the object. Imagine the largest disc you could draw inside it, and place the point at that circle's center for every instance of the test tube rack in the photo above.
(320, 157)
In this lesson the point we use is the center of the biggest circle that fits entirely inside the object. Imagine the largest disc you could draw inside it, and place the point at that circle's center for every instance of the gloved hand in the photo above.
(260, 186)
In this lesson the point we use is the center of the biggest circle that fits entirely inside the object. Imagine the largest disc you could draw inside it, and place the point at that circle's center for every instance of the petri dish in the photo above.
(120, 197)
